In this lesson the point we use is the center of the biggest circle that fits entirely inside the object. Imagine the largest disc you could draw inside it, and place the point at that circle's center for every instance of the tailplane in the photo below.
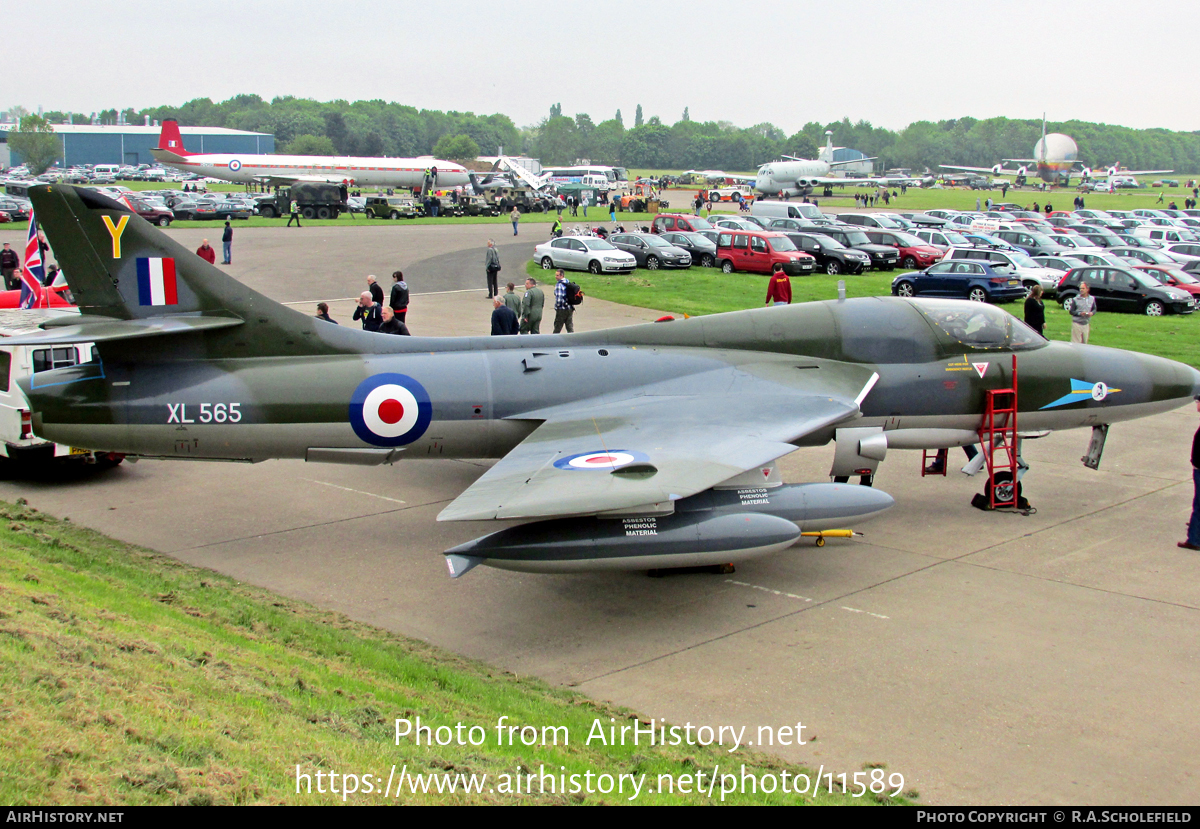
(132, 281)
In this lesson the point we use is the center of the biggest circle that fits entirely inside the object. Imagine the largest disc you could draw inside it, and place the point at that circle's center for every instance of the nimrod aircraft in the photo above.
(648, 446)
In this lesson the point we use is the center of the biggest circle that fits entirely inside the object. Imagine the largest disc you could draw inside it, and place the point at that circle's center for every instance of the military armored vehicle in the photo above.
(391, 207)
(317, 200)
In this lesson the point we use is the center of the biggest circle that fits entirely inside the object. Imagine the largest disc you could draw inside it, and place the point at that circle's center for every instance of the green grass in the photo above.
(595, 216)
(129, 678)
(698, 291)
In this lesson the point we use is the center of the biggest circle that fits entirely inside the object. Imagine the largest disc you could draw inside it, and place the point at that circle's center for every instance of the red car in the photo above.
(678, 223)
(4, 217)
(1175, 277)
(915, 253)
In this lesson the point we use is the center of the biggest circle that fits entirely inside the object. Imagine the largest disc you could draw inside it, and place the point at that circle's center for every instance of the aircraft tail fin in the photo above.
(132, 281)
(171, 140)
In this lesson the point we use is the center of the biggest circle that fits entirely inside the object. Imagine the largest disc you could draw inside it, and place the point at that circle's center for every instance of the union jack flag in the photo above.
(32, 273)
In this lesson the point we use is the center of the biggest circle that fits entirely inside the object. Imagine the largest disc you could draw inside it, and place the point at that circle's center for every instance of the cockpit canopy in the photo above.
(979, 326)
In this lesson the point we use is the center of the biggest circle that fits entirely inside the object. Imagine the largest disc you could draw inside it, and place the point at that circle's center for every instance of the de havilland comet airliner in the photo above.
(643, 447)
(285, 170)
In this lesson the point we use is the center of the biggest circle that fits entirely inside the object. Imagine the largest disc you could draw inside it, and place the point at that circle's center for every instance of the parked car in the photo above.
(16, 210)
(154, 213)
(703, 252)
(760, 251)
(391, 207)
(667, 222)
(914, 252)
(734, 223)
(976, 281)
(1062, 264)
(1142, 255)
(883, 257)
(1175, 277)
(831, 256)
(1035, 244)
(583, 253)
(943, 240)
(651, 251)
(1126, 289)
(1013, 262)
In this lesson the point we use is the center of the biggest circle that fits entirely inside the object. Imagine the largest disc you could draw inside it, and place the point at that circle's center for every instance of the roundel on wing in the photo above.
(605, 461)
(390, 410)
(235, 165)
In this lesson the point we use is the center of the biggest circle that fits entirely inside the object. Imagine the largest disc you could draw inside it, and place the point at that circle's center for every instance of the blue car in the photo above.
(960, 279)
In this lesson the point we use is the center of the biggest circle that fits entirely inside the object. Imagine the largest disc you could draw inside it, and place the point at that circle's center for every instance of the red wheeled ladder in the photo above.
(998, 433)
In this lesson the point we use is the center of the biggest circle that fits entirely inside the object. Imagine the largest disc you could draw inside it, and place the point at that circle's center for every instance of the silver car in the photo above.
(583, 253)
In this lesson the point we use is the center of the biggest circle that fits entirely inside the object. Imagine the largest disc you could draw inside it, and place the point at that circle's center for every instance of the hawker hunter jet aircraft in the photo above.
(649, 446)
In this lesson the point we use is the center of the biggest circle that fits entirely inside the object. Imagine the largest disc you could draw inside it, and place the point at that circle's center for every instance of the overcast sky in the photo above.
(886, 61)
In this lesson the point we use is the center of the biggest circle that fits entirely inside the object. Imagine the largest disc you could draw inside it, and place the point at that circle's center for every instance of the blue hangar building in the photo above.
(89, 144)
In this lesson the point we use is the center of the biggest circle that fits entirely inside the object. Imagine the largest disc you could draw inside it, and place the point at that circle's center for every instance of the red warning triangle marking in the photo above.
(981, 368)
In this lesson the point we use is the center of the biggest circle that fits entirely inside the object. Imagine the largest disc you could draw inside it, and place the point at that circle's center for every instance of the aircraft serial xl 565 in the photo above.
(640, 447)
(288, 169)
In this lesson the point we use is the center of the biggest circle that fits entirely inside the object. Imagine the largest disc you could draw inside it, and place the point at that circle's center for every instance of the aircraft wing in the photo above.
(1107, 174)
(660, 443)
(985, 170)
(287, 181)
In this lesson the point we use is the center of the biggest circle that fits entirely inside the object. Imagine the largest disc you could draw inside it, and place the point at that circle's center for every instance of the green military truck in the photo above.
(391, 207)
(477, 206)
(316, 200)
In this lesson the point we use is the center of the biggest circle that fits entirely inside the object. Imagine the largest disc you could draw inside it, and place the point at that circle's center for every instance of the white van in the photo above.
(787, 210)
(106, 171)
(1163, 235)
(17, 440)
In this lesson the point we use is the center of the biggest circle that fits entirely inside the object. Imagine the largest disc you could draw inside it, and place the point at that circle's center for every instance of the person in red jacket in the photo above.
(207, 253)
(780, 288)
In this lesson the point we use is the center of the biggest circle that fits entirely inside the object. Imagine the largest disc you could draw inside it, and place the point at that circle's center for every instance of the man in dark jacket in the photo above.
(368, 311)
(398, 301)
(323, 313)
(227, 244)
(504, 320)
(376, 291)
(10, 263)
(1193, 536)
(392, 325)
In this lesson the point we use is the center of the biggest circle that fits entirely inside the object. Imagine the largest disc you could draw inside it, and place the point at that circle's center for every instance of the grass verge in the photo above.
(129, 678)
(697, 291)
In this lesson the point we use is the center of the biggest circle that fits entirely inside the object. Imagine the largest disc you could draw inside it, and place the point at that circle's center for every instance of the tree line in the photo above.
(374, 128)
